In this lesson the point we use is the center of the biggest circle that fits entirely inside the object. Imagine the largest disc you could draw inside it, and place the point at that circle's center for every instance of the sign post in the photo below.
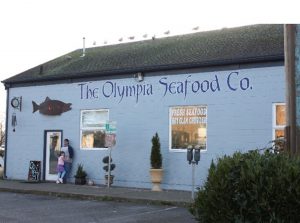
(110, 142)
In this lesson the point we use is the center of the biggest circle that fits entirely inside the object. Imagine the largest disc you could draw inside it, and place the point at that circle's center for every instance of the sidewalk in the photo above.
(99, 192)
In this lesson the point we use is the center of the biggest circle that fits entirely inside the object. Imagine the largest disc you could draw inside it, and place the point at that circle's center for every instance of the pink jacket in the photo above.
(61, 160)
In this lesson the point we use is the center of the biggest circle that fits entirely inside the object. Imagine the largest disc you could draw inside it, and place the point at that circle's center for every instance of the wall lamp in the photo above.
(139, 76)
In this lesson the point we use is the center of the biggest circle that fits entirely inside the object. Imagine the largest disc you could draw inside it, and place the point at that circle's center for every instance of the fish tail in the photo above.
(35, 107)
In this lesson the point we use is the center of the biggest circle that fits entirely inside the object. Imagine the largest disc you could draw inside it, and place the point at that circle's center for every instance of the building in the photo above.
(222, 91)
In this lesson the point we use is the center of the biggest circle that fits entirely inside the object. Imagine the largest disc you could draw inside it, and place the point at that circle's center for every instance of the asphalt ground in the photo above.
(17, 207)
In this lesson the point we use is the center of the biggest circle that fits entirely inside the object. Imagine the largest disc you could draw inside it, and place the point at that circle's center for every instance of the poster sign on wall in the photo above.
(34, 172)
(188, 126)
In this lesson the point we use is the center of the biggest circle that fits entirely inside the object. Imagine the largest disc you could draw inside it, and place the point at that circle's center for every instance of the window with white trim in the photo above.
(92, 129)
(279, 121)
(188, 127)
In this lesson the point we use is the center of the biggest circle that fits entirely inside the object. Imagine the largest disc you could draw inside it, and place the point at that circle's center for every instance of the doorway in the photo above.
(52, 147)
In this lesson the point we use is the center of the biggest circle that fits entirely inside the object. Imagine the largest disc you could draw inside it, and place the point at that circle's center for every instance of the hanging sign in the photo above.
(110, 135)
(110, 140)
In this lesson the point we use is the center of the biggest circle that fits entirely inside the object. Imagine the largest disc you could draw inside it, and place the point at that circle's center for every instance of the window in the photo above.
(278, 120)
(188, 127)
(92, 128)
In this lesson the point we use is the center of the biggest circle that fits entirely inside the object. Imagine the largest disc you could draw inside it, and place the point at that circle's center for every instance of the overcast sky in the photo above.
(35, 31)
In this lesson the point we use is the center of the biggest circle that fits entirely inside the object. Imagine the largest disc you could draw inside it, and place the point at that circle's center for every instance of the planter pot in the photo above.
(80, 180)
(110, 181)
(156, 178)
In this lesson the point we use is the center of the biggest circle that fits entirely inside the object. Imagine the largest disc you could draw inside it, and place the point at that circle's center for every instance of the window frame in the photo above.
(170, 127)
(274, 116)
(92, 128)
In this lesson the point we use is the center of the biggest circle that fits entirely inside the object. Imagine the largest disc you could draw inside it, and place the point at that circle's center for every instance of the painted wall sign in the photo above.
(51, 107)
(185, 86)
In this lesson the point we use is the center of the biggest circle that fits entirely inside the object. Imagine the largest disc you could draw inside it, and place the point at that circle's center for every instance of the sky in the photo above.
(33, 32)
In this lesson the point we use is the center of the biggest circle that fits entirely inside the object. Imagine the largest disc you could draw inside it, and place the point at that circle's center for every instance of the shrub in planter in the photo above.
(250, 187)
(105, 160)
(156, 171)
(80, 176)
(155, 157)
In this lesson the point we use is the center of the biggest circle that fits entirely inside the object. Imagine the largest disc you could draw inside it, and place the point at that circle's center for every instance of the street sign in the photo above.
(111, 127)
(110, 134)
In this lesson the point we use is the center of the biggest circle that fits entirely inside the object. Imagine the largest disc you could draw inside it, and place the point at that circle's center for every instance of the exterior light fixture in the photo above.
(139, 76)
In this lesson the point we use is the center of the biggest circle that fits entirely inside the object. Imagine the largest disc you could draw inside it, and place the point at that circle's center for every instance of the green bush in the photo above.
(250, 187)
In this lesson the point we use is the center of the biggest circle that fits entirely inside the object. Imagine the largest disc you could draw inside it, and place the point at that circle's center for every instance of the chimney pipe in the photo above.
(83, 49)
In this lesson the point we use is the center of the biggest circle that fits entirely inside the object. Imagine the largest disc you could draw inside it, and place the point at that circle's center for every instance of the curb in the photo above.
(98, 197)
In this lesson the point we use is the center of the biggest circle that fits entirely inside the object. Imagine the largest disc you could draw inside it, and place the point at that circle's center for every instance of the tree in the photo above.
(2, 135)
(2, 139)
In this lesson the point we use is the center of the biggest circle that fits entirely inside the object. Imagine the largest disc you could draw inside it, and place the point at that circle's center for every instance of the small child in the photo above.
(61, 167)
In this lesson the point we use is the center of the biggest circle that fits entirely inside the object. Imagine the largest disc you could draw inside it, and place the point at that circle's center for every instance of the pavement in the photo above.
(99, 192)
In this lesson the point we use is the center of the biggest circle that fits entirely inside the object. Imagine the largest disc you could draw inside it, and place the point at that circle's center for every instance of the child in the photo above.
(61, 167)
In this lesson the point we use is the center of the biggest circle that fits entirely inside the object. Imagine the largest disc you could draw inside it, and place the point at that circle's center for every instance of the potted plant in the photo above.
(106, 169)
(80, 176)
(156, 170)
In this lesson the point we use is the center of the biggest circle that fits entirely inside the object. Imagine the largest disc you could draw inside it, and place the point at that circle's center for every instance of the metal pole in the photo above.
(109, 158)
(193, 179)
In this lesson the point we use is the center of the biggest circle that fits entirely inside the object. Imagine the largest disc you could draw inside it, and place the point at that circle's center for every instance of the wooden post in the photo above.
(292, 70)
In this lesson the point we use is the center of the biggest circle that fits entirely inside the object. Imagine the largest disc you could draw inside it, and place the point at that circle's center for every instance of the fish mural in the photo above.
(51, 107)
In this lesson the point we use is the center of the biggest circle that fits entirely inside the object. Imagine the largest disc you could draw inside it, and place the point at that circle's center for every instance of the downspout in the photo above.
(6, 130)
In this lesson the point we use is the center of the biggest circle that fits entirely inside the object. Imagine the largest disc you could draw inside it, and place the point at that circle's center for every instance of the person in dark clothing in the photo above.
(69, 153)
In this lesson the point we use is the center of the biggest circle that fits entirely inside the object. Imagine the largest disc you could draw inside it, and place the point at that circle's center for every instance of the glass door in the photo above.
(53, 142)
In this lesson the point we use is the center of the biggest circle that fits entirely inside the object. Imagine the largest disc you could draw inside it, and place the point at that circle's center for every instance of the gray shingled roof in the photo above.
(257, 43)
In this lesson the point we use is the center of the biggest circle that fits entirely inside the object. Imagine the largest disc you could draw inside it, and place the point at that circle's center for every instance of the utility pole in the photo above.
(292, 70)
